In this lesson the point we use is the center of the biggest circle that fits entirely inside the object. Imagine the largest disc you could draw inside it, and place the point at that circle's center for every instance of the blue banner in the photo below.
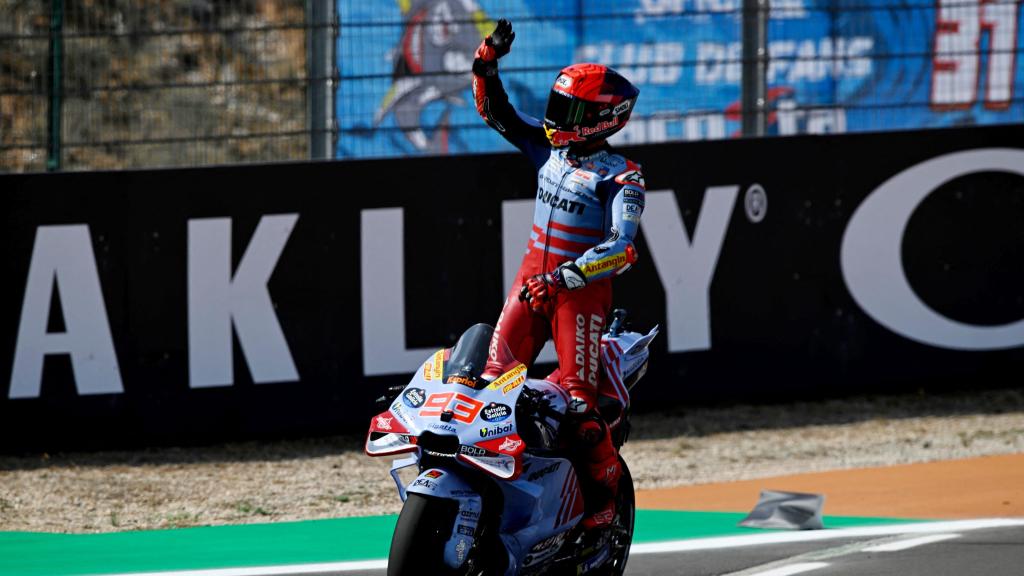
(835, 66)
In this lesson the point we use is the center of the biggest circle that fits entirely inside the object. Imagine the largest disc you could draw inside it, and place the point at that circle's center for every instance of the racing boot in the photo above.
(599, 461)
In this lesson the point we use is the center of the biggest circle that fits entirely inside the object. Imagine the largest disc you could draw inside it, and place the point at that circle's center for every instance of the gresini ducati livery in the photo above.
(496, 492)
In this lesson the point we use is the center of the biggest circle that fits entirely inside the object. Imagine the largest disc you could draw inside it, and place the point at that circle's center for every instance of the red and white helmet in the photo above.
(588, 102)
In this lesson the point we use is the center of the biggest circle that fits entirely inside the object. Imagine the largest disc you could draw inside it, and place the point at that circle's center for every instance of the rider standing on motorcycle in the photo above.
(589, 202)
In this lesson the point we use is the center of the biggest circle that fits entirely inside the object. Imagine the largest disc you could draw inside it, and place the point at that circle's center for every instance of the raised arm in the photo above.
(492, 103)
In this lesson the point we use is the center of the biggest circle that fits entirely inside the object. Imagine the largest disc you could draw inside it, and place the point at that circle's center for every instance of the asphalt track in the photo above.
(960, 550)
(989, 552)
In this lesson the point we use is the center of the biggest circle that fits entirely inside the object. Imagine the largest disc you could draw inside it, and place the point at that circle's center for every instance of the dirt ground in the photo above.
(991, 486)
(723, 454)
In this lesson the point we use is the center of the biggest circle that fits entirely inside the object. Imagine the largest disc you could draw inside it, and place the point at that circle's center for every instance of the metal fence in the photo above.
(93, 84)
(706, 69)
(105, 84)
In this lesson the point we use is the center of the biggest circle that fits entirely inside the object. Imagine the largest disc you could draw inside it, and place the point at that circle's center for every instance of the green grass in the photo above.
(344, 539)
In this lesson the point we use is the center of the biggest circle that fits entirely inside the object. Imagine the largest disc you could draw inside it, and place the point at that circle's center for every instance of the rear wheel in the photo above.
(423, 528)
(621, 530)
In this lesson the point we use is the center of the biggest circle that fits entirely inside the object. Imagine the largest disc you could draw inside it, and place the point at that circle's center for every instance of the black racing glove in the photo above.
(501, 39)
(496, 45)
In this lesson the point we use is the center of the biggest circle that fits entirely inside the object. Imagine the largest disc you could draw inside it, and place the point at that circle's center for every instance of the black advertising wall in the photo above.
(185, 306)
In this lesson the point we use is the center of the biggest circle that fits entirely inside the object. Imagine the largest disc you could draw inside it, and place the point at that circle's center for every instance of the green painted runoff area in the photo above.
(312, 541)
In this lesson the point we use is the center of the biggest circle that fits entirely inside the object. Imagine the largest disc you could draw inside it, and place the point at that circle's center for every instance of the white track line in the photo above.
(649, 548)
(792, 569)
(910, 543)
(815, 535)
(322, 568)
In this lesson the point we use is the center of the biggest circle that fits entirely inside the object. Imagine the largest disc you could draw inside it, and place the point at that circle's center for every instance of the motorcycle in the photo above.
(496, 493)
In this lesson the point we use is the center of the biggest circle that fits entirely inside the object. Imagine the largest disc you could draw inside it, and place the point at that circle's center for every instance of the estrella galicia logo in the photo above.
(414, 397)
(495, 430)
(495, 412)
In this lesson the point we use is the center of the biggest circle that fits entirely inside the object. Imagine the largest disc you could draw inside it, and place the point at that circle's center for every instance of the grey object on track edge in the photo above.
(793, 510)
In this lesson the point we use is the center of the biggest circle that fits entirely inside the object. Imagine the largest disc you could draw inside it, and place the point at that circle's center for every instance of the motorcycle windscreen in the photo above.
(478, 358)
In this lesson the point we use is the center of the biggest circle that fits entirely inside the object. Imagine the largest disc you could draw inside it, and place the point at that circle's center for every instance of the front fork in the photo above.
(445, 484)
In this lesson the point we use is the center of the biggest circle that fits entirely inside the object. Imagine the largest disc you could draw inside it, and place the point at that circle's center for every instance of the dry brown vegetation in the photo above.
(156, 82)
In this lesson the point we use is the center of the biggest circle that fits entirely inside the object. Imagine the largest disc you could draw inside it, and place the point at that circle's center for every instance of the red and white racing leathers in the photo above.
(587, 211)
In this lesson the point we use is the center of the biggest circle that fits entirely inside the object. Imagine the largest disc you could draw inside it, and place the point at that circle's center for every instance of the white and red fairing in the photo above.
(487, 438)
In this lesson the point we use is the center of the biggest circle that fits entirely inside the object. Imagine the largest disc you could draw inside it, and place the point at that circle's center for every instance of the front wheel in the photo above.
(423, 528)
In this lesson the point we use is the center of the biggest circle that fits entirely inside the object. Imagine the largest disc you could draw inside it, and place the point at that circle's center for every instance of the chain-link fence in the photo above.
(138, 83)
(94, 84)
(818, 66)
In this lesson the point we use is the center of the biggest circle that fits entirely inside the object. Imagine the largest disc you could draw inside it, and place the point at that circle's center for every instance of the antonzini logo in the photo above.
(495, 430)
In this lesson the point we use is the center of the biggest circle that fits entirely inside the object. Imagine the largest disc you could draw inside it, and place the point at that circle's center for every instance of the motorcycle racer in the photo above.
(586, 215)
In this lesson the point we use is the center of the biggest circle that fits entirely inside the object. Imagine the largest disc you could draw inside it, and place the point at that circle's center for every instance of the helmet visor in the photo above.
(563, 111)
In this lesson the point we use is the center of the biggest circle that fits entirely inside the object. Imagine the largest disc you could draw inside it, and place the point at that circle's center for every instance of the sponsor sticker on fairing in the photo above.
(510, 445)
(424, 483)
(384, 423)
(519, 370)
(495, 412)
(489, 431)
(435, 474)
(438, 365)
(512, 385)
(414, 397)
(472, 451)
(544, 471)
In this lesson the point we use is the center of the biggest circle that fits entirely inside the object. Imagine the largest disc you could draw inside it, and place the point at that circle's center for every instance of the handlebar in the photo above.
(536, 403)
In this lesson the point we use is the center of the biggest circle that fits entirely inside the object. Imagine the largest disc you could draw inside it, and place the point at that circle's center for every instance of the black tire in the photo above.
(622, 525)
(417, 548)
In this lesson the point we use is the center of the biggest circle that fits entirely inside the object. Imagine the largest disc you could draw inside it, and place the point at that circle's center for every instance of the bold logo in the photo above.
(414, 397)
(435, 474)
(465, 530)
(384, 423)
(871, 254)
(510, 445)
(495, 412)
(631, 193)
(500, 430)
(544, 472)
(564, 81)
(512, 385)
(472, 451)
(622, 107)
